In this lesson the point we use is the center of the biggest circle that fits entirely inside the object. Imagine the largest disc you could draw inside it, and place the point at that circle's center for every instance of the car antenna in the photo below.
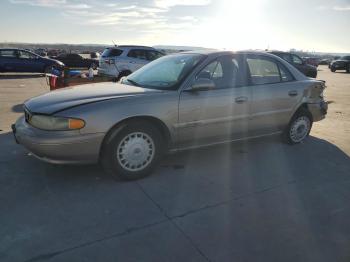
(114, 43)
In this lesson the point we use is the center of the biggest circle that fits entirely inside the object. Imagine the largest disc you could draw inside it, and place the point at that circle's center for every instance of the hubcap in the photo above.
(135, 151)
(299, 129)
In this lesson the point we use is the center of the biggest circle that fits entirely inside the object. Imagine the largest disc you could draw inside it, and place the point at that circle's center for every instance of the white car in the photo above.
(123, 60)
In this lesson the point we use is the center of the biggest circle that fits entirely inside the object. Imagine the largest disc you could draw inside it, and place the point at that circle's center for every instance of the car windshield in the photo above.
(165, 73)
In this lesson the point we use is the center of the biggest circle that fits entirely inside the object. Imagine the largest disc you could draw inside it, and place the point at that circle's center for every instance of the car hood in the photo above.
(61, 99)
(340, 61)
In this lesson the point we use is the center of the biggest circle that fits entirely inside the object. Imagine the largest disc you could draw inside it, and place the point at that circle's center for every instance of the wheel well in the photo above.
(304, 107)
(124, 73)
(152, 120)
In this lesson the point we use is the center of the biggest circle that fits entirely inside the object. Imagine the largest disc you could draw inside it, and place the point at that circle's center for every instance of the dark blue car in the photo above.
(18, 60)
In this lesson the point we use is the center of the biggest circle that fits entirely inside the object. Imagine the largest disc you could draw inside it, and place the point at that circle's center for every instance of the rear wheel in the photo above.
(122, 74)
(299, 127)
(132, 150)
(348, 68)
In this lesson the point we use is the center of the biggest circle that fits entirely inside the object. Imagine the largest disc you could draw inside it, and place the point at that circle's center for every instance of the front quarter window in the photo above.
(166, 72)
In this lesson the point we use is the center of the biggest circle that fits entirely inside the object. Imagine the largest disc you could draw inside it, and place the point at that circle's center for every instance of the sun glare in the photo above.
(235, 25)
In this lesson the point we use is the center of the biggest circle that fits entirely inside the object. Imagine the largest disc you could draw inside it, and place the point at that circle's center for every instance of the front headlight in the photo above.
(54, 123)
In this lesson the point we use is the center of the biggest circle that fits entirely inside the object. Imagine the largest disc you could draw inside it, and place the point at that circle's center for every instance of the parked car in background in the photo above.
(314, 61)
(95, 55)
(182, 101)
(122, 60)
(334, 58)
(342, 63)
(325, 61)
(40, 51)
(76, 60)
(19, 60)
(53, 53)
(300, 64)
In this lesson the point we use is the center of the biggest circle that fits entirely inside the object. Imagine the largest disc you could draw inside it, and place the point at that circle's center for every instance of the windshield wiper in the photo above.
(133, 82)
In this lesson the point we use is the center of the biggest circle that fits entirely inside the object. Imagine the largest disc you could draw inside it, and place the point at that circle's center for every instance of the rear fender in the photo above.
(314, 93)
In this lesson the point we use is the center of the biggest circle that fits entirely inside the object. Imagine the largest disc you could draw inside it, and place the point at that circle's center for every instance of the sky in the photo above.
(310, 25)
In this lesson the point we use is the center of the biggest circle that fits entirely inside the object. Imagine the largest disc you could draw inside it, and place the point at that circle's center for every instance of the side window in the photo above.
(286, 57)
(7, 53)
(297, 60)
(26, 55)
(225, 72)
(211, 71)
(153, 55)
(286, 76)
(138, 53)
(263, 71)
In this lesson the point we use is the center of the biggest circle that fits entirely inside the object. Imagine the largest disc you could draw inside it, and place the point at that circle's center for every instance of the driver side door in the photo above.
(220, 114)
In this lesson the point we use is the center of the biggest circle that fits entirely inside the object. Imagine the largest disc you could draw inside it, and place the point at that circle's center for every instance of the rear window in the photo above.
(110, 52)
(263, 71)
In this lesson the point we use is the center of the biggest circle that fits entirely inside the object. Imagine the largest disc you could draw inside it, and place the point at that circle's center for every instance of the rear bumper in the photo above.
(318, 110)
(64, 147)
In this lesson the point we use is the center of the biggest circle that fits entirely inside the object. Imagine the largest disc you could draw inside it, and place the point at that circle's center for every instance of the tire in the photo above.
(132, 150)
(122, 74)
(333, 69)
(298, 128)
(348, 68)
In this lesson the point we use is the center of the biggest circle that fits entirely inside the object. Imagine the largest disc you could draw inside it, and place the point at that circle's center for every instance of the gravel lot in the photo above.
(250, 201)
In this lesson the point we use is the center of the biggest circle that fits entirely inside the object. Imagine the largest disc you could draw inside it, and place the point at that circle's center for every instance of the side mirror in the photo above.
(202, 84)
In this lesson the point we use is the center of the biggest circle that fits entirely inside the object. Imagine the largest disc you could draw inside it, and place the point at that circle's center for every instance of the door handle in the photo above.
(293, 93)
(241, 99)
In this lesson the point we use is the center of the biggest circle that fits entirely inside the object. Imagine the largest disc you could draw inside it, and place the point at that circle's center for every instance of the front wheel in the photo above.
(299, 127)
(132, 151)
(332, 69)
(348, 68)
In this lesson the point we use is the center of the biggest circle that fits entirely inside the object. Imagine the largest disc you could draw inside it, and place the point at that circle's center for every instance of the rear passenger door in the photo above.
(137, 59)
(274, 94)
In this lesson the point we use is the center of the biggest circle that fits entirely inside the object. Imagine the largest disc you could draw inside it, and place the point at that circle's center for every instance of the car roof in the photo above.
(214, 52)
(278, 52)
(130, 46)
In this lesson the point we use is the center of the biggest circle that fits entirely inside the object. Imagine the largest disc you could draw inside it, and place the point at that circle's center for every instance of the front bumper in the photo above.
(318, 110)
(58, 147)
